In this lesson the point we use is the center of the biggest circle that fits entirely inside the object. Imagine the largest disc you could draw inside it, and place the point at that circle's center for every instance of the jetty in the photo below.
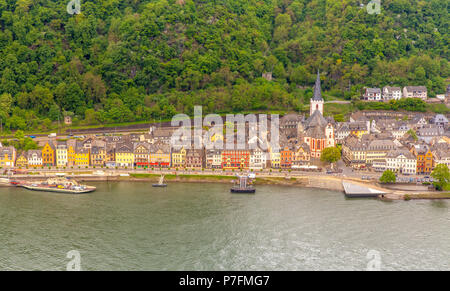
(359, 191)
(244, 186)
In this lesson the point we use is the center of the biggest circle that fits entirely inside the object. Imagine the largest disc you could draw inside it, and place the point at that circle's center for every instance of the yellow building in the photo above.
(71, 157)
(7, 157)
(124, 155)
(159, 155)
(48, 154)
(81, 157)
(179, 158)
(275, 158)
(22, 161)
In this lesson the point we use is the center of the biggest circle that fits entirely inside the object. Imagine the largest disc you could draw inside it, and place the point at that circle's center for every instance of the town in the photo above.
(371, 141)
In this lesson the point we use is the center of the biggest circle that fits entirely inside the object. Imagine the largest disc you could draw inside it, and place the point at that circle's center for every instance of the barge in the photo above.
(59, 185)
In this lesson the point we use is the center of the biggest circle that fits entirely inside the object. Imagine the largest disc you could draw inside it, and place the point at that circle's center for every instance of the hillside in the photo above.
(137, 60)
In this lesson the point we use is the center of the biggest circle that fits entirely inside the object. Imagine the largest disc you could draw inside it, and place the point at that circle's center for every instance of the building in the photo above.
(34, 158)
(440, 121)
(377, 150)
(317, 132)
(258, 159)
(286, 157)
(61, 154)
(71, 157)
(179, 157)
(124, 155)
(424, 158)
(302, 155)
(142, 155)
(442, 156)
(110, 155)
(354, 152)
(82, 155)
(392, 93)
(235, 159)
(372, 94)
(274, 158)
(22, 161)
(213, 159)
(98, 156)
(415, 92)
(359, 128)
(401, 161)
(428, 133)
(194, 158)
(316, 102)
(67, 120)
(160, 155)
(49, 155)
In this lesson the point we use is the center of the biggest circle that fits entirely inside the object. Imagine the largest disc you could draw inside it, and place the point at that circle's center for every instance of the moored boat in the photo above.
(160, 182)
(59, 185)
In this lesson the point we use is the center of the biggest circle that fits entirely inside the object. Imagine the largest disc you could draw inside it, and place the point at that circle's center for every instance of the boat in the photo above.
(160, 182)
(244, 185)
(59, 185)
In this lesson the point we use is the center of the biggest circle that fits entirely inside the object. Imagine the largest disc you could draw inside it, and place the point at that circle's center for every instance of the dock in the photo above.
(358, 191)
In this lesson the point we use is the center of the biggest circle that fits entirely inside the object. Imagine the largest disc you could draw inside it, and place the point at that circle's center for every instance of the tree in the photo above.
(330, 155)
(413, 134)
(441, 175)
(388, 177)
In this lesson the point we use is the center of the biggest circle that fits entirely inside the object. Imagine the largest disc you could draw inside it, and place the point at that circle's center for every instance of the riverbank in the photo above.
(305, 180)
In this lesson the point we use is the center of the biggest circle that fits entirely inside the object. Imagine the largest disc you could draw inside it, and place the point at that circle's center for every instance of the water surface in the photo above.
(190, 226)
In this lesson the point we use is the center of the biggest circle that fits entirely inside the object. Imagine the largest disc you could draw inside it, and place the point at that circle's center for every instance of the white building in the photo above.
(372, 94)
(392, 93)
(401, 161)
(258, 159)
(61, 155)
(34, 158)
(415, 92)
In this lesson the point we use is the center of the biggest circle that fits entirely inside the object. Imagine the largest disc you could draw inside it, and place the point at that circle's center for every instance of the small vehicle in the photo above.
(32, 136)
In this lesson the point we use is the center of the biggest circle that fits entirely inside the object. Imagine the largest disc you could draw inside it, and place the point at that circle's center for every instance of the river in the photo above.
(192, 226)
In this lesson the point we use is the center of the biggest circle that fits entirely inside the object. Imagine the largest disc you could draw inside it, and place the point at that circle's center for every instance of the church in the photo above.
(317, 131)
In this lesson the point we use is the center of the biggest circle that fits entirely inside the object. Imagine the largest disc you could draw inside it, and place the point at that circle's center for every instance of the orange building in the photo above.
(286, 157)
(48, 154)
(424, 160)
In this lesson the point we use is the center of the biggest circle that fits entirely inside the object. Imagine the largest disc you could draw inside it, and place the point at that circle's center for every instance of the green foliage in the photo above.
(413, 134)
(21, 142)
(441, 175)
(388, 177)
(149, 59)
(330, 155)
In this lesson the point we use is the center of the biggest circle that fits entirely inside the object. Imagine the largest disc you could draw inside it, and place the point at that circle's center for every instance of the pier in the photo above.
(355, 190)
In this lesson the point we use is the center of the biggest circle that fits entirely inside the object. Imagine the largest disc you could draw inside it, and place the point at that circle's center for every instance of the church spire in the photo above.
(316, 102)
(317, 89)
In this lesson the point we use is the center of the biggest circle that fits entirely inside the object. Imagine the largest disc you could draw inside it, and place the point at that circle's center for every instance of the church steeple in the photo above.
(316, 100)
(317, 88)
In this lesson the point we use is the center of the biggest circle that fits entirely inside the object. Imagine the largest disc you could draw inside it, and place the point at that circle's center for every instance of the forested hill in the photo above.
(136, 60)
